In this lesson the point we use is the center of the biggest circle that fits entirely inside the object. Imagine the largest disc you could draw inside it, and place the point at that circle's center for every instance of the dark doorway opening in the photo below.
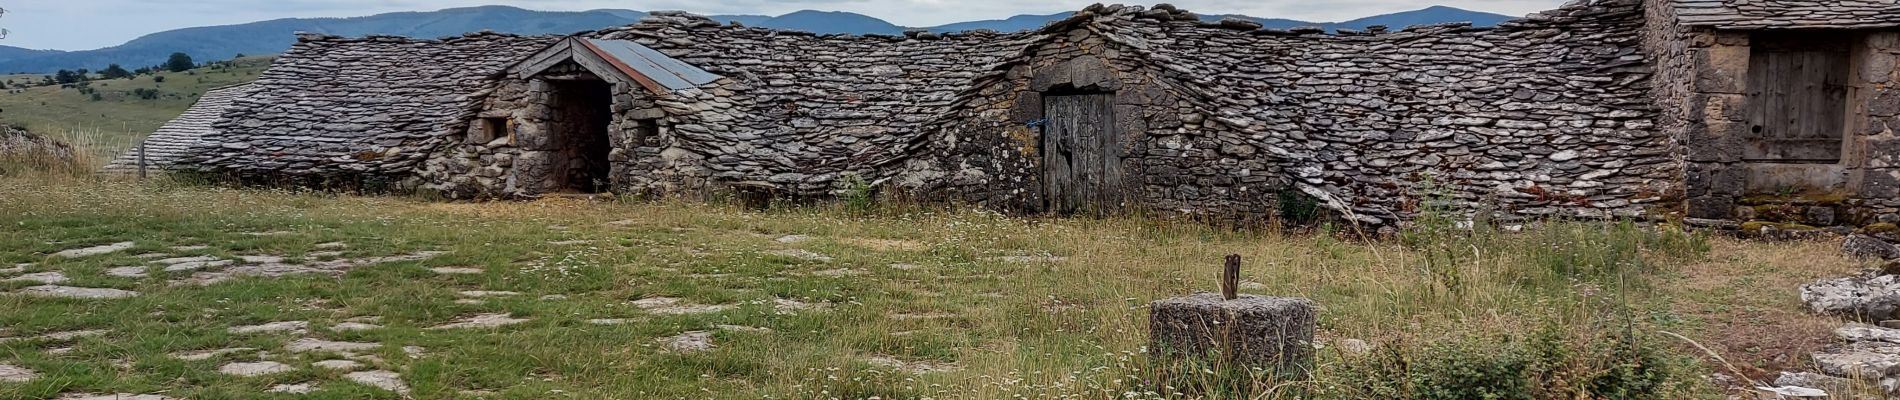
(582, 112)
(1081, 155)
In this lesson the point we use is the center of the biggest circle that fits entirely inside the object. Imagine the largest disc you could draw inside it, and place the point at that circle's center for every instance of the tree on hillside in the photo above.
(68, 77)
(180, 62)
(115, 71)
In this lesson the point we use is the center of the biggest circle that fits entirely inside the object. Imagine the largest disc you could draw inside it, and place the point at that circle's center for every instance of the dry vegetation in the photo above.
(913, 302)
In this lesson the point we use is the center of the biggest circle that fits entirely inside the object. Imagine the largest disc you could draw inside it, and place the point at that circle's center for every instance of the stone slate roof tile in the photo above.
(174, 141)
(1788, 14)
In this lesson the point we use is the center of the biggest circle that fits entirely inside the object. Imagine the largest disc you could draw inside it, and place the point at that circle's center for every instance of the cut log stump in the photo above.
(1271, 333)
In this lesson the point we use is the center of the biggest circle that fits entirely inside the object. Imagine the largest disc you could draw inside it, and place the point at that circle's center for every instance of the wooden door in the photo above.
(1797, 97)
(1081, 156)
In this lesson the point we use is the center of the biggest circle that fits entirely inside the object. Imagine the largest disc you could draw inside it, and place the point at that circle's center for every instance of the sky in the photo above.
(90, 24)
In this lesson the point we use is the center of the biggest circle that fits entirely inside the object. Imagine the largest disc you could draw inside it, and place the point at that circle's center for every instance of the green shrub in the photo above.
(857, 194)
(1557, 362)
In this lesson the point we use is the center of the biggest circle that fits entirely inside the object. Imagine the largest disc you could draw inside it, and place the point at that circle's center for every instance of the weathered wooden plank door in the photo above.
(1081, 156)
(1797, 98)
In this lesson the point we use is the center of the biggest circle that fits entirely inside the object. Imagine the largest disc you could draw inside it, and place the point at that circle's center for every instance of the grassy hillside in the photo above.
(118, 118)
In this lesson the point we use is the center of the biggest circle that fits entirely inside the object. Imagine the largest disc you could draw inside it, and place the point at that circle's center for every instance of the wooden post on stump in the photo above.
(1230, 278)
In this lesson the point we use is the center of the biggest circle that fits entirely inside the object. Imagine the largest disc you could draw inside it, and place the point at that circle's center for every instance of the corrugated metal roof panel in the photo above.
(666, 71)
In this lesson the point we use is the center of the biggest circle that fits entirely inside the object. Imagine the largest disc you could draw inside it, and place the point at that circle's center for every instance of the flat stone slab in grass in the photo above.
(197, 265)
(482, 321)
(1871, 359)
(293, 388)
(182, 260)
(669, 305)
(920, 316)
(789, 306)
(190, 247)
(14, 373)
(283, 326)
(380, 379)
(689, 342)
(119, 396)
(790, 239)
(332, 245)
(609, 321)
(306, 345)
(914, 367)
(71, 292)
(353, 326)
(800, 254)
(456, 270)
(906, 267)
(338, 365)
(260, 368)
(1031, 259)
(47, 278)
(95, 250)
(201, 355)
(487, 293)
(839, 272)
(1253, 331)
(127, 272)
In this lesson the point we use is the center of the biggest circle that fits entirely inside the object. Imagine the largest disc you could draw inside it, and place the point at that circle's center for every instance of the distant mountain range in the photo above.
(273, 36)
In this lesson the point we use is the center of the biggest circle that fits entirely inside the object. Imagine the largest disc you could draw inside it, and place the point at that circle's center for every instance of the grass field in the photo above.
(119, 119)
(609, 300)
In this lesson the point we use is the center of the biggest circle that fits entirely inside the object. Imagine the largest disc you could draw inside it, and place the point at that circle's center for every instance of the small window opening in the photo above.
(489, 129)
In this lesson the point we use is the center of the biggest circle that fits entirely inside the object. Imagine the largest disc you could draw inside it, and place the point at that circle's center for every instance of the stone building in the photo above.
(1596, 109)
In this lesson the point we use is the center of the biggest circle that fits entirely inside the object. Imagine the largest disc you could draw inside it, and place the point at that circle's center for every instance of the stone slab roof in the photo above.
(1788, 14)
(173, 141)
(372, 105)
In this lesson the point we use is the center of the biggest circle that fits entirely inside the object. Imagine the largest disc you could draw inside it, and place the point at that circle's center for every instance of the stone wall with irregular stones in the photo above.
(1873, 138)
(18, 144)
(1545, 116)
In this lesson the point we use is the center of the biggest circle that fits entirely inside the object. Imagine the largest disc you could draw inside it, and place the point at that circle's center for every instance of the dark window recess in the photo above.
(488, 129)
(1797, 97)
(645, 131)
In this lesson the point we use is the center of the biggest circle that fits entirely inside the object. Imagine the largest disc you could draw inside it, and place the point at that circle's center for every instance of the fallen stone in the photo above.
(1794, 392)
(353, 327)
(70, 292)
(689, 342)
(791, 239)
(482, 321)
(669, 305)
(14, 373)
(838, 272)
(413, 351)
(800, 254)
(47, 278)
(1869, 247)
(789, 306)
(380, 379)
(1866, 296)
(1354, 346)
(284, 326)
(306, 345)
(1854, 332)
(332, 245)
(260, 368)
(338, 365)
(95, 250)
(293, 388)
(1030, 259)
(914, 367)
(1272, 333)
(1814, 380)
(119, 396)
(486, 293)
(202, 355)
(456, 270)
(127, 272)
(1871, 360)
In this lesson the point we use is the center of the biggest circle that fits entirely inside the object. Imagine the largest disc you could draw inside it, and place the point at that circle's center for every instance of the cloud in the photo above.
(51, 23)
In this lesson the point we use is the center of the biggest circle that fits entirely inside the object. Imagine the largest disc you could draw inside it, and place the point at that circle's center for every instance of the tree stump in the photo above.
(1271, 333)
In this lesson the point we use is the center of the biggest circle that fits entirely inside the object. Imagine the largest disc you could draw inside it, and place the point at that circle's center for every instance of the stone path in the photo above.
(789, 306)
(456, 270)
(380, 379)
(482, 321)
(202, 355)
(298, 388)
(77, 292)
(307, 345)
(260, 368)
(95, 250)
(127, 272)
(841, 272)
(688, 342)
(669, 305)
(48, 278)
(914, 367)
(353, 327)
(339, 365)
(14, 373)
(800, 254)
(285, 326)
